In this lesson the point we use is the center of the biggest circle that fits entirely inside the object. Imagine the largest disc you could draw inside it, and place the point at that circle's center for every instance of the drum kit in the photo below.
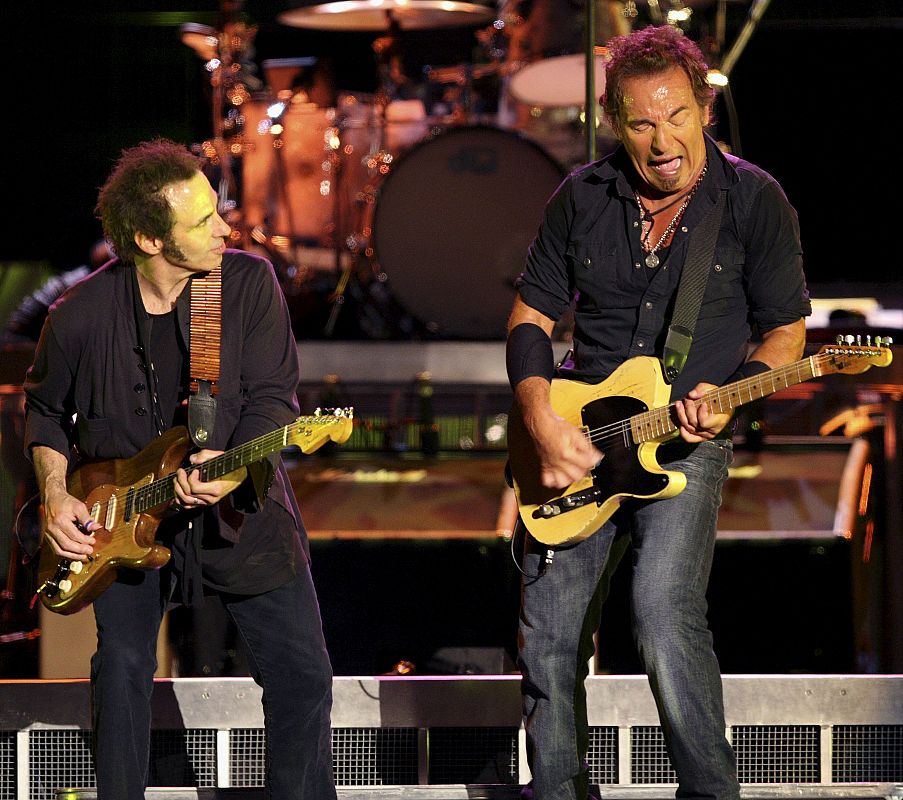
(424, 213)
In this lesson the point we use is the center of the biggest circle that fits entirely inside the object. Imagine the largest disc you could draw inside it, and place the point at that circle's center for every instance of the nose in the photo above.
(660, 139)
(222, 227)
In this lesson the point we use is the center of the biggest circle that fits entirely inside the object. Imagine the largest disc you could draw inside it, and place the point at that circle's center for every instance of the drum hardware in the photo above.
(227, 51)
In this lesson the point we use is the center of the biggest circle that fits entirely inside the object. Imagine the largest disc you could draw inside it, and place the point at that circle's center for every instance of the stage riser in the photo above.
(420, 732)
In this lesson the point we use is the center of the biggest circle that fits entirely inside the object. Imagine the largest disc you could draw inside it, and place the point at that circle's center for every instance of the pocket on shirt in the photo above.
(601, 274)
(724, 291)
(93, 435)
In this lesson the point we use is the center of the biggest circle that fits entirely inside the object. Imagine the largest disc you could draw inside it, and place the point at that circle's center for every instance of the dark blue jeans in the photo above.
(670, 551)
(283, 641)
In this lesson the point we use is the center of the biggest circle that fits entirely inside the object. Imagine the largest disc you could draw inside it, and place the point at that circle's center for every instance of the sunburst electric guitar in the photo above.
(130, 496)
(626, 417)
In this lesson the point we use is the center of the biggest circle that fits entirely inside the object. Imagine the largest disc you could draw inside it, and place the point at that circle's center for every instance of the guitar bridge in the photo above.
(567, 503)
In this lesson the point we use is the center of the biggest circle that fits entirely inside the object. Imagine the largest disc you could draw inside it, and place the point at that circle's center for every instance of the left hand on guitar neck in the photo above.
(192, 491)
(697, 422)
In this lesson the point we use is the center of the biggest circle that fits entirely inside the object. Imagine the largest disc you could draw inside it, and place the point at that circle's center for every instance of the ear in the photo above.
(149, 245)
(706, 116)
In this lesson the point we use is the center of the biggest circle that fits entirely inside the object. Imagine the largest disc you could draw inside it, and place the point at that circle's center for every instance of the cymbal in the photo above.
(558, 82)
(203, 39)
(376, 15)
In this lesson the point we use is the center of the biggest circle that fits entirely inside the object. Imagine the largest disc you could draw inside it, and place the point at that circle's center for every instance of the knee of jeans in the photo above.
(668, 610)
(123, 665)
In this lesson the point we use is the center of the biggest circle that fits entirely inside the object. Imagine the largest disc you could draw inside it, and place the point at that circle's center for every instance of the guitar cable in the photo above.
(545, 563)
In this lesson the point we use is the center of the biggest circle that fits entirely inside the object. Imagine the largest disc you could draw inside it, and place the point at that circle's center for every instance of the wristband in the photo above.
(748, 369)
(529, 354)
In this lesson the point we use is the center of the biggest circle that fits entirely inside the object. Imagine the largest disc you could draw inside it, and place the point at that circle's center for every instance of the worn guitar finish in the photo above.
(626, 417)
(130, 496)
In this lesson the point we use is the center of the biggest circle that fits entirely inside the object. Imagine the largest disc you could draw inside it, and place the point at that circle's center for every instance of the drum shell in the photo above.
(452, 222)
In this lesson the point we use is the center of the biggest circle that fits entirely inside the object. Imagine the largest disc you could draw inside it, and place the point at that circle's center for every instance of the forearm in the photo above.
(50, 467)
(781, 345)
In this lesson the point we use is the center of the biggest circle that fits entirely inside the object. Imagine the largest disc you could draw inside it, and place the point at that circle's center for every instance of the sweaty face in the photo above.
(196, 241)
(661, 126)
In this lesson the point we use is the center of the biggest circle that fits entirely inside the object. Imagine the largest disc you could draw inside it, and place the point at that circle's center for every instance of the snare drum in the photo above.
(452, 223)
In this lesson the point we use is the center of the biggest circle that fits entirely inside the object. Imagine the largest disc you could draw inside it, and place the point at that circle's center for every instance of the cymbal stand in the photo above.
(387, 50)
(227, 188)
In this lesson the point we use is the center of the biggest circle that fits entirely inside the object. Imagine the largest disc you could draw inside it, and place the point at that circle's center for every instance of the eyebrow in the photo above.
(639, 120)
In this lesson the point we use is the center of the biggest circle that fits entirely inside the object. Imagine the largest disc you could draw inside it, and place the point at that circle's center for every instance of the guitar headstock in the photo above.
(325, 424)
(851, 356)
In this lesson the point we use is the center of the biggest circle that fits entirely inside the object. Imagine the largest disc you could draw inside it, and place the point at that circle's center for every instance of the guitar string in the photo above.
(166, 481)
(616, 431)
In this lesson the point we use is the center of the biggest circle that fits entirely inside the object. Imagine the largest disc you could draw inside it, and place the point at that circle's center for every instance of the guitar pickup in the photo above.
(567, 503)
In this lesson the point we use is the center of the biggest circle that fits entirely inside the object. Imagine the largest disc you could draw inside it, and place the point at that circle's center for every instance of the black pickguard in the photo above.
(620, 471)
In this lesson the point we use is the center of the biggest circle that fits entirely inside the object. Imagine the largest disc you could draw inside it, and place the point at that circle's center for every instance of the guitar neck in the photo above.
(162, 490)
(659, 423)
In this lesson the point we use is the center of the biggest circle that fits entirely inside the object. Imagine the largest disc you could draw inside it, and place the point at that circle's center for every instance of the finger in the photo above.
(70, 546)
(681, 412)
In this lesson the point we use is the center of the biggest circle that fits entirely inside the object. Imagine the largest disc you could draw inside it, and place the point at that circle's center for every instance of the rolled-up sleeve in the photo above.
(776, 285)
(545, 284)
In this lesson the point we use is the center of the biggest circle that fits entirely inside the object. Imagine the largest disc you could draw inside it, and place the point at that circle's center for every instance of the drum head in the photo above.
(453, 222)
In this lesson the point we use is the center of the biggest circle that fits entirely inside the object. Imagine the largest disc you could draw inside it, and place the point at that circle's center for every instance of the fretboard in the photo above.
(659, 423)
(162, 490)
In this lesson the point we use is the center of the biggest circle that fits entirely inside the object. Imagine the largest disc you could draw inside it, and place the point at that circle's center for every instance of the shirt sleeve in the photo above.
(776, 285)
(270, 370)
(48, 387)
(269, 379)
(545, 283)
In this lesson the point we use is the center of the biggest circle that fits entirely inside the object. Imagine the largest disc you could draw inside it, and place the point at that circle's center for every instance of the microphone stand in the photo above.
(589, 111)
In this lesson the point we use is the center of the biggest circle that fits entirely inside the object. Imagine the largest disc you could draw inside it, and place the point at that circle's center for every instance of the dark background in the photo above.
(815, 92)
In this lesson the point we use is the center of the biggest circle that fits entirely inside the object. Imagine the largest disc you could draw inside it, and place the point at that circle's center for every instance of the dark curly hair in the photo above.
(131, 201)
(651, 51)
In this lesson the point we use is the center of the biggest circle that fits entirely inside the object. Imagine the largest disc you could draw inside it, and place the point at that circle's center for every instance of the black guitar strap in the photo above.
(693, 280)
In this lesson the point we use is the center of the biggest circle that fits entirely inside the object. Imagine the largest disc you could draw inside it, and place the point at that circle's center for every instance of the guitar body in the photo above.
(126, 539)
(626, 417)
(627, 470)
(128, 498)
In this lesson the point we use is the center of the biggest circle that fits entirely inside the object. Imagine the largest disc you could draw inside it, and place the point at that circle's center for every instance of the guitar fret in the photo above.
(138, 500)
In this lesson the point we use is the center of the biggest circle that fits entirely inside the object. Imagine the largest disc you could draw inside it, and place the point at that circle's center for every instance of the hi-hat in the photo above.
(376, 15)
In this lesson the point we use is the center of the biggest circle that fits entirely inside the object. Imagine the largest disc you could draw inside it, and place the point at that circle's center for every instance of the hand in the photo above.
(67, 525)
(192, 492)
(565, 453)
(697, 422)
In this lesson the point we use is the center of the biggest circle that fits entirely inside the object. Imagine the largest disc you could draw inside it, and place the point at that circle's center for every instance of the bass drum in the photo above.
(452, 224)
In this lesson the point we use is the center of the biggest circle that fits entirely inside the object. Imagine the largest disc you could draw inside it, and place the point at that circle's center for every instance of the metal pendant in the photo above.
(652, 261)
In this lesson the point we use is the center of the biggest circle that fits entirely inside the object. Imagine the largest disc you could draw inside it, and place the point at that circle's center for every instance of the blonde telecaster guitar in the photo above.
(626, 417)
(129, 497)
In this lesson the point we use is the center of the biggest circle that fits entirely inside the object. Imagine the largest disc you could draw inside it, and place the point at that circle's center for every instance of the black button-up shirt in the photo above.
(588, 250)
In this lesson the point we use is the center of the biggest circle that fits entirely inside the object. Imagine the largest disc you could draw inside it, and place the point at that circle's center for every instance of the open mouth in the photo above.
(667, 169)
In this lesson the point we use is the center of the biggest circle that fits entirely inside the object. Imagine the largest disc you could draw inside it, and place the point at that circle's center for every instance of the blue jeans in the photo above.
(671, 546)
(283, 640)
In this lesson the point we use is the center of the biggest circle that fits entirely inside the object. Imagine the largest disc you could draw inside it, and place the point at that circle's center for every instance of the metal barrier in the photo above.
(802, 736)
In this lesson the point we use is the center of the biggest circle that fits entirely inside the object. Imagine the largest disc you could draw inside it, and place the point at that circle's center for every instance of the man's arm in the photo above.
(565, 454)
(779, 346)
